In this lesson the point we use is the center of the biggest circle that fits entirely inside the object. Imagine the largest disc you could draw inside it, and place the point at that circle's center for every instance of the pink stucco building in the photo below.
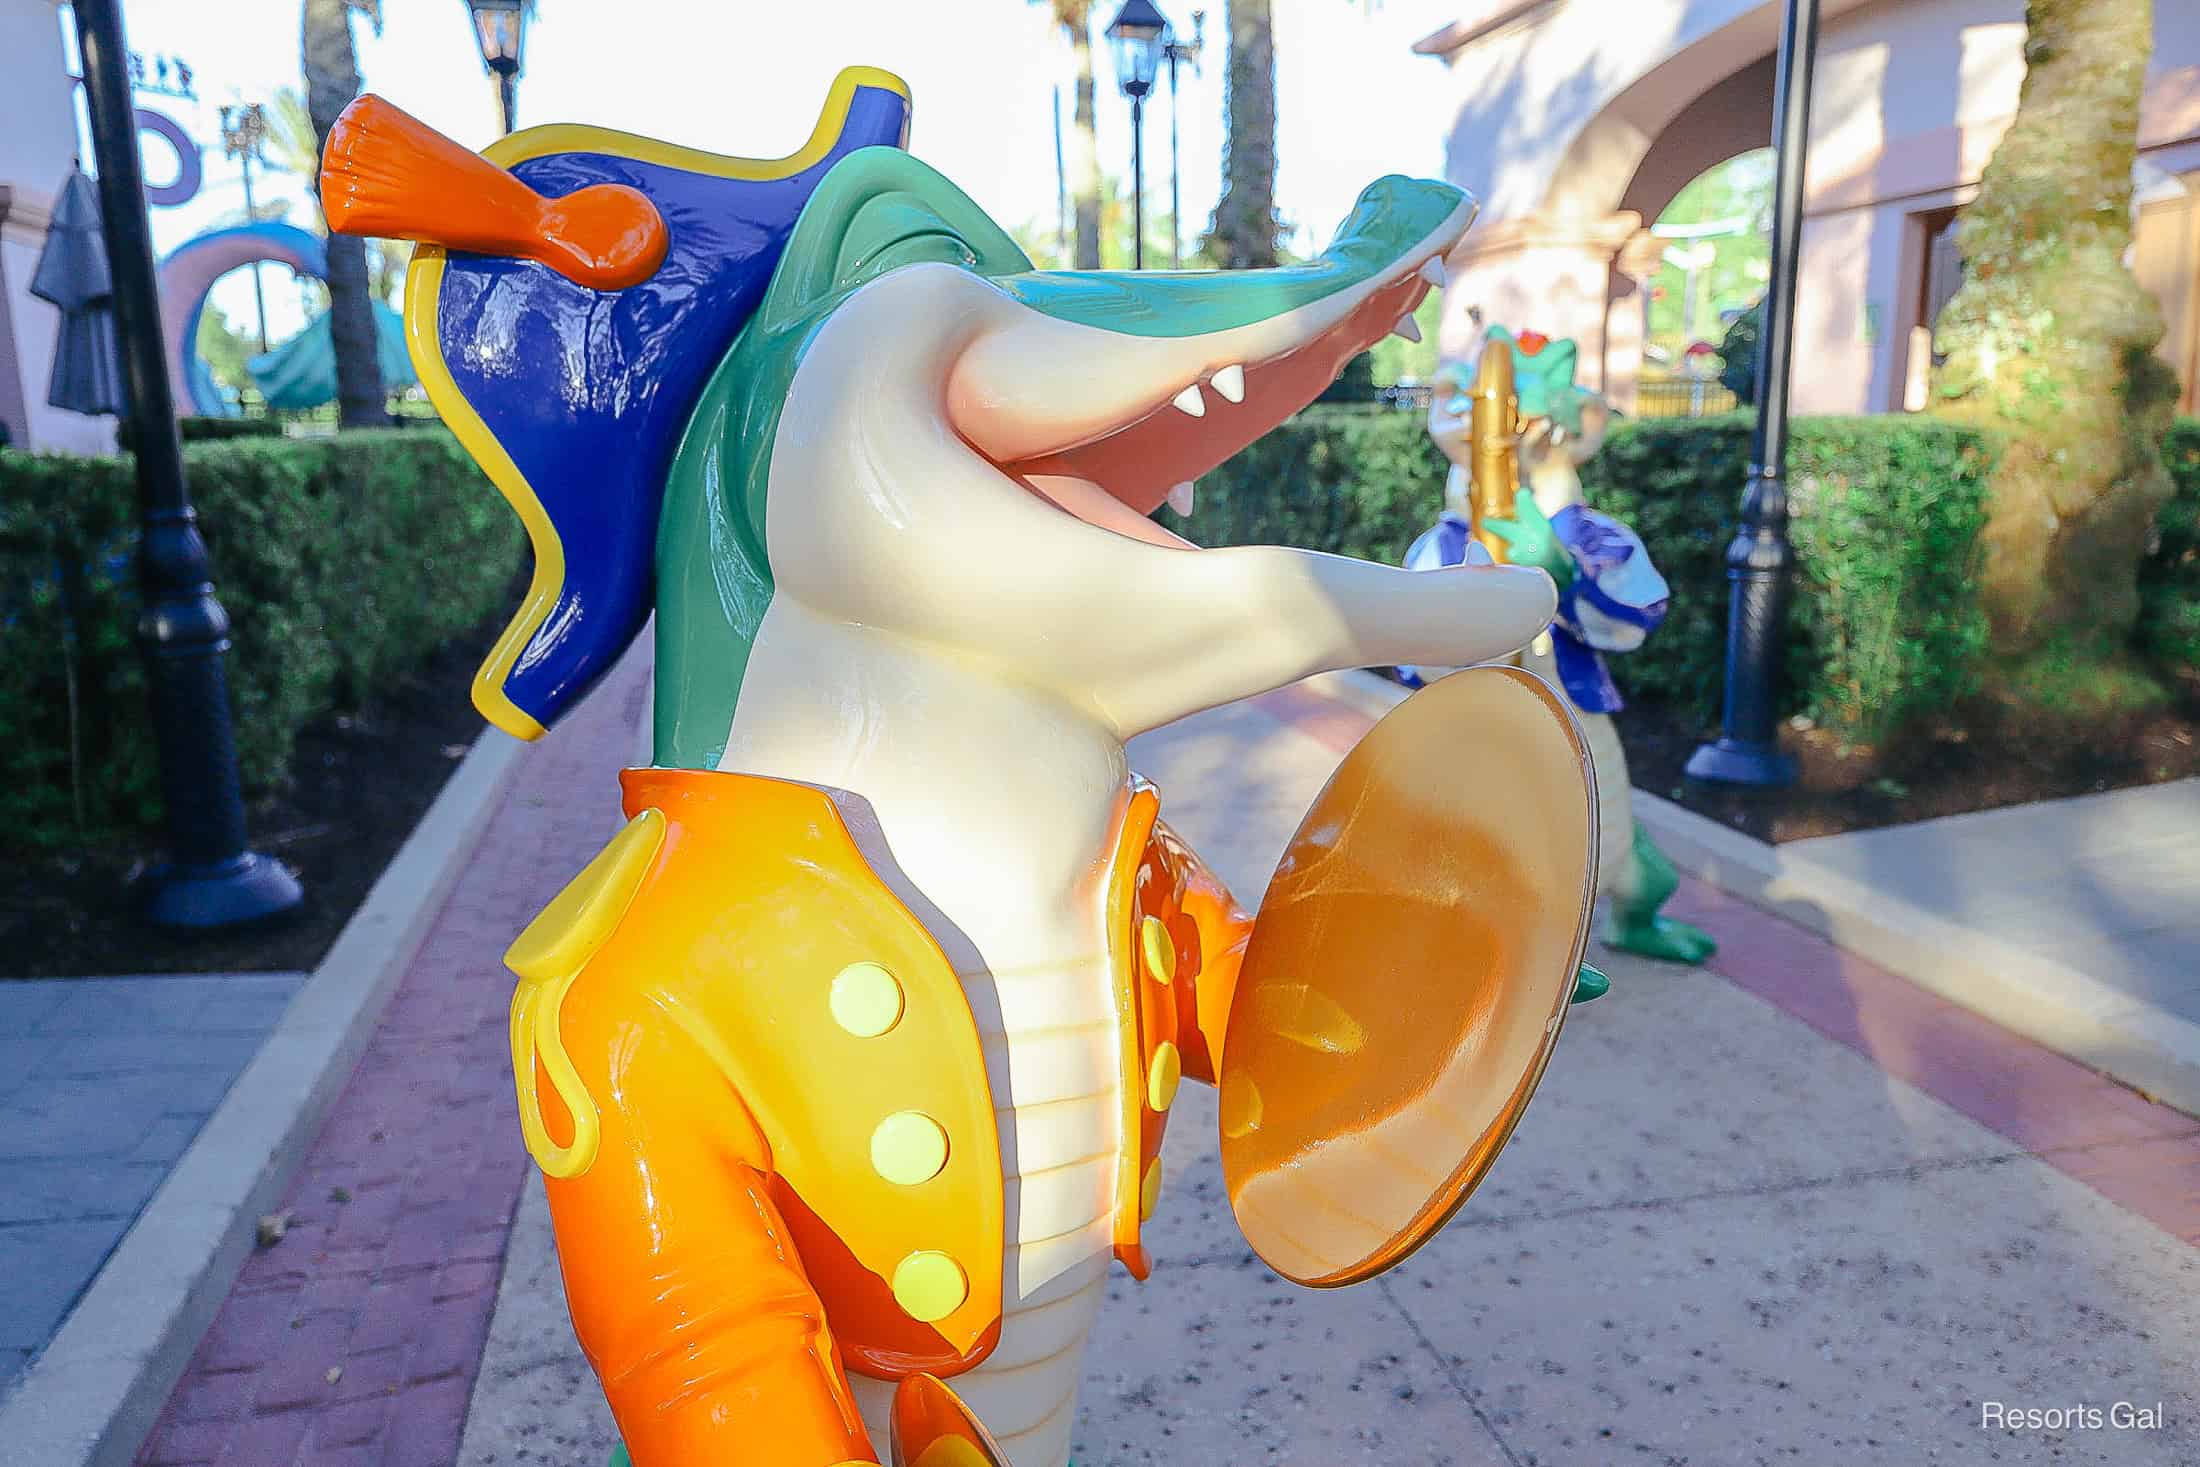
(1577, 121)
(37, 145)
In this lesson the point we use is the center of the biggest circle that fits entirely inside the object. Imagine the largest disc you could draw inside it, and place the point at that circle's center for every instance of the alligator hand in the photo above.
(1530, 539)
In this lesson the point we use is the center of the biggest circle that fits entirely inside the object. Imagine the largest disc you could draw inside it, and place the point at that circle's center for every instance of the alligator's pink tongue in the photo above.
(1097, 507)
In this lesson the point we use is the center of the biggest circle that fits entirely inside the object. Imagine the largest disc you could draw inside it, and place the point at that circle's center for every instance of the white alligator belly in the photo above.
(1051, 1061)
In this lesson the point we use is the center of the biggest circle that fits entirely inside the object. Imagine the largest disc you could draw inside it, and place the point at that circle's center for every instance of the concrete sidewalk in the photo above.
(2107, 884)
(2072, 922)
(1794, 1210)
(104, 1083)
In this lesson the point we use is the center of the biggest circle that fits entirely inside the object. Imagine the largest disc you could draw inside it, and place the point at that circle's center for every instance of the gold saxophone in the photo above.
(1494, 436)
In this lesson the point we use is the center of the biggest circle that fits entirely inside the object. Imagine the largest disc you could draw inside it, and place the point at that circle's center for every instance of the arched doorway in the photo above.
(1713, 262)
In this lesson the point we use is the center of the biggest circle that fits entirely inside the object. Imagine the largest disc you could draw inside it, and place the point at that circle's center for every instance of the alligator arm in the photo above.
(1229, 623)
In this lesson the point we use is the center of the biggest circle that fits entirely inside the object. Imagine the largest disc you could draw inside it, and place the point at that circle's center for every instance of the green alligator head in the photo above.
(920, 433)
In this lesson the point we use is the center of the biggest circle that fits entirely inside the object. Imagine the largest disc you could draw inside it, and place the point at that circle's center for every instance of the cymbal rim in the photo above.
(1254, 1187)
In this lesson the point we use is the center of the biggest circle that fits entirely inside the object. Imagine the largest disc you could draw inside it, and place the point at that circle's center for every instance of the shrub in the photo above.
(342, 561)
(207, 430)
(1360, 481)
(1883, 623)
(1887, 512)
(1738, 355)
(2169, 577)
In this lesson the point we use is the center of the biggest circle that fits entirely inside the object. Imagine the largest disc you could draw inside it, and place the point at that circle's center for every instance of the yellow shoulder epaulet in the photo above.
(548, 956)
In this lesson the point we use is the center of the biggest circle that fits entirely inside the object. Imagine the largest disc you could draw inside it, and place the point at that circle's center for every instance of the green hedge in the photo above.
(208, 430)
(1887, 516)
(2169, 578)
(343, 561)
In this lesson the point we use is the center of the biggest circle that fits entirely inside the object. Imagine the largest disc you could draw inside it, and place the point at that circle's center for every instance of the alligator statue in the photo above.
(847, 1060)
(1514, 414)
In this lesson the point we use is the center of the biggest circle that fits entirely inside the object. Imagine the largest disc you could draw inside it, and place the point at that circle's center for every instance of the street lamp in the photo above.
(213, 879)
(1135, 39)
(501, 28)
(1759, 558)
(1176, 51)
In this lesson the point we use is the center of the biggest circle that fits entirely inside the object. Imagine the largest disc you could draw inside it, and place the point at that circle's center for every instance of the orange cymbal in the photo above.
(1407, 975)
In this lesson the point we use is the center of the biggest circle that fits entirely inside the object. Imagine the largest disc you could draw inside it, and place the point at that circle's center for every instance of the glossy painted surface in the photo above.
(606, 236)
(1177, 939)
(849, 1061)
(1387, 219)
(896, 414)
(933, 1428)
(1494, 436)
(754, 905)
(1405, 984)
(574, 398)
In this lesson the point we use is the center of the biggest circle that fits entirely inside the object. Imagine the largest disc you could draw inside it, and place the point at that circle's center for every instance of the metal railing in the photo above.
(1655, 399)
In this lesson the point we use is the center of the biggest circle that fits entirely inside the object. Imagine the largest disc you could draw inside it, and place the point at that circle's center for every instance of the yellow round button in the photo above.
(909, 1147)
(1149, 1191)
(1159, 949)
(866, 1000)
(929, 1285)
(1163, 1075)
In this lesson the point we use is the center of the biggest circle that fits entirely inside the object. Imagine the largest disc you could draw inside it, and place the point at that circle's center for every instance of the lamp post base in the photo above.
(1736, 761)
(246, 888)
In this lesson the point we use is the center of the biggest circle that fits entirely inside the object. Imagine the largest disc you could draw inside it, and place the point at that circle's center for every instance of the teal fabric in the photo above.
(301, 373)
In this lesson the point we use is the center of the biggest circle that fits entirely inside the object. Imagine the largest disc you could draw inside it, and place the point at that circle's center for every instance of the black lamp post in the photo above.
(501, 28)
(1758, 560)
(213, 879)
(1177, 51)
(1135, 38)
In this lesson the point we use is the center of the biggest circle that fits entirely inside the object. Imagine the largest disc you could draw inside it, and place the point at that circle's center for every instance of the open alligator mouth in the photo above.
(1109, 394)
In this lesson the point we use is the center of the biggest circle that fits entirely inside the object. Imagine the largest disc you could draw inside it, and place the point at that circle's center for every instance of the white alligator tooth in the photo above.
(1191, 402)
(1432, 270)
(1180, 499)
(1407, 327)
(1230, 382)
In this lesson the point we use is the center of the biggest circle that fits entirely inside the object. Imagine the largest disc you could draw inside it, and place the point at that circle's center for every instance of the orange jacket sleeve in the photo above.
(1220, 931)
(686, 1289)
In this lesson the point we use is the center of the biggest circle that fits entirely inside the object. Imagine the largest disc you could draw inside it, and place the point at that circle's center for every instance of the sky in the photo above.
(1353, 100)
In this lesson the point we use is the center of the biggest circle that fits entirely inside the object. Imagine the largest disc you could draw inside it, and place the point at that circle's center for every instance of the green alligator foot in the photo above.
(1666, 938)
(1636, 926)
(1588, 984)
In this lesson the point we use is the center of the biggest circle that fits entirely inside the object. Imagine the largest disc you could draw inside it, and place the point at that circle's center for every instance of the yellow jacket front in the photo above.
(754, 1083)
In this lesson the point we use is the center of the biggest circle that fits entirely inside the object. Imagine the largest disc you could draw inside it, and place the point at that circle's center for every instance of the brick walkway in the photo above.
(356, 1339)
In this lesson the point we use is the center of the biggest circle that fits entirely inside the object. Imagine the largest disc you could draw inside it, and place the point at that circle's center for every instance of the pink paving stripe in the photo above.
(2142, 1156)
(354, 1342)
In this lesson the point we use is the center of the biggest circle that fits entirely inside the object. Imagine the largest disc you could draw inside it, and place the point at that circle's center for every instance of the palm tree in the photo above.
(332, 80)
(291, 144)
(1075, 19)
(2050, 339)
(1245, 230)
